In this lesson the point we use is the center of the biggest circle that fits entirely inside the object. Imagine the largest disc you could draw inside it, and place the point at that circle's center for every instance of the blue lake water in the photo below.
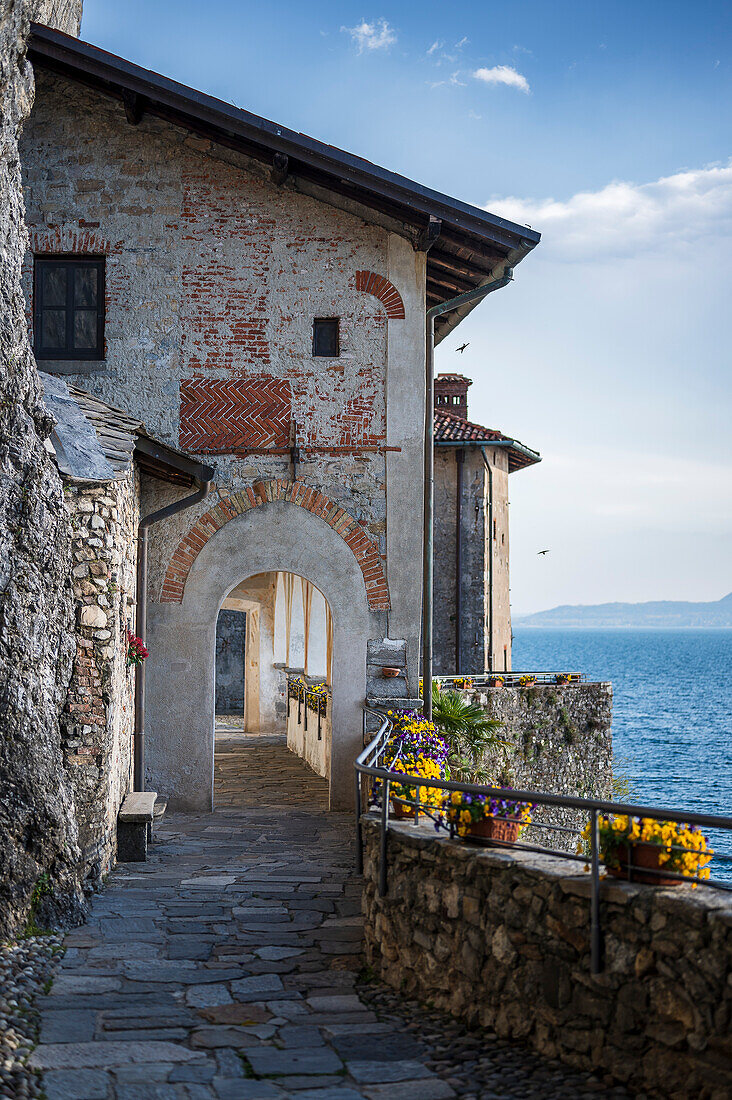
(672, 709)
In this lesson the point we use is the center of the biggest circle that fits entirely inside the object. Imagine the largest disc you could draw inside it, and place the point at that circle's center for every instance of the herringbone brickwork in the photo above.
(262, 493)
(223, 417)
(371, 283)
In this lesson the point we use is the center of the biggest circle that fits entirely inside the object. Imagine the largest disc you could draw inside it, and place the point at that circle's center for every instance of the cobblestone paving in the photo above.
(226, 968)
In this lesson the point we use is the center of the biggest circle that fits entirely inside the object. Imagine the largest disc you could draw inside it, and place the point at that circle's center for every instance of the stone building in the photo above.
(472, 608)
(256, 298)
(106, 460)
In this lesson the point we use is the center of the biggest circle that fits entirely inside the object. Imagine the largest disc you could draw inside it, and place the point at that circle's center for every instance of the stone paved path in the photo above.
(227, 967)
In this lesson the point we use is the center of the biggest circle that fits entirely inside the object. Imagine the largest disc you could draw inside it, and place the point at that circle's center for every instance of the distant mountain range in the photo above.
(657, 613)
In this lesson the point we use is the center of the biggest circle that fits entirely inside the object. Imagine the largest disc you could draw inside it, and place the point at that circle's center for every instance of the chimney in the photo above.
(451, 394)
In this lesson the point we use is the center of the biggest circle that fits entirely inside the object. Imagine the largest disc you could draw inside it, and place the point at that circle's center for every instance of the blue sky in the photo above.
(607, 128)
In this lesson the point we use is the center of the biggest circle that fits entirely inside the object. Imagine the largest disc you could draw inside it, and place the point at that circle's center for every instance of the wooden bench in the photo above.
(134, 826)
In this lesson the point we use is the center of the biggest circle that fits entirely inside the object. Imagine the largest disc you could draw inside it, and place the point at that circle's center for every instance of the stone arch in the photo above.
(371, 283)
(180, 711)
(265, 492)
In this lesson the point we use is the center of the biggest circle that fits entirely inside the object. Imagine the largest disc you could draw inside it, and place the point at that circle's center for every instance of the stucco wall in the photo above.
(309, 734)
(180, 683)
(501, 940)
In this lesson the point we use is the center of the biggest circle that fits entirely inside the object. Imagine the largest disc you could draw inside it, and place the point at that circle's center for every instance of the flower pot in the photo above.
(389, 673)
(495, 828)
(496, 682)
(634, 857)
(401, 811)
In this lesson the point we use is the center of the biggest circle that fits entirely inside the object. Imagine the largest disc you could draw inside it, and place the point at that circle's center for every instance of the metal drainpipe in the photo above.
(429, 473)
(459, 458)
(489, 468)
(141, 624)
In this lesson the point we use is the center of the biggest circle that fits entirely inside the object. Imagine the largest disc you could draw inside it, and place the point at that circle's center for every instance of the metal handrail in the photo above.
(544, 676)
(367, 765)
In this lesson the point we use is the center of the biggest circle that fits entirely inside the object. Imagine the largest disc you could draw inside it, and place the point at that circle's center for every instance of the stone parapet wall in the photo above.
(98, 719)
(501, 940)
(558, 741)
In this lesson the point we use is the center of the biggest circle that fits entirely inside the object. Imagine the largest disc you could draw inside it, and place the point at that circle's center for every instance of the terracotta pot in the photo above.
(401, 811)
(495, 828)
(639, 855)
(389, 673)
(496, 683)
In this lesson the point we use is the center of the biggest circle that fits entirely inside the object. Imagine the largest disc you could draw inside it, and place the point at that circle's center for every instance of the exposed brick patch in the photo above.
(223, 307)
(363, 549)
(60, 239)
(356, 423)
(371, 283)
(222, 417)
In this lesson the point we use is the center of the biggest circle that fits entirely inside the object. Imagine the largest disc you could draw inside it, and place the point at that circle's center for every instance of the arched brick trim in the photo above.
(371, 283)
(263, 492)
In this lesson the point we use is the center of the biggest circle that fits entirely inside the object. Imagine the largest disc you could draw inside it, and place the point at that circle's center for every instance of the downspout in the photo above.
(489, 468)
(429, 472)
(141, 623)
(459, 458)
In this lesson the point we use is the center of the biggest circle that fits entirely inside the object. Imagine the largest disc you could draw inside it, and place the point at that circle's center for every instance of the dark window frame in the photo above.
(328, 321)
(68, 352)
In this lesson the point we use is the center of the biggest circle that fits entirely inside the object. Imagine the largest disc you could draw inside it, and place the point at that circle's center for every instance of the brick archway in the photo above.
(262, 493)
(371, 283)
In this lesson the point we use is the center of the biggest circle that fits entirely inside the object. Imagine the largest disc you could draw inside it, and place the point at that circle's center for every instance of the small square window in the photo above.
(326, 336)
(68, 308)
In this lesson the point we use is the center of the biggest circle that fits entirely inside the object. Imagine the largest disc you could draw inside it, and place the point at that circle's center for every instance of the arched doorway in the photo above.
(273, 637)
(278, 538)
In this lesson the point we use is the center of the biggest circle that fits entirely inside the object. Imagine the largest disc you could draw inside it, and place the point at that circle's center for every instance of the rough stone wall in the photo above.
(98, 718)
(501, 940)
(37, 832)
(475, 649)
(558, 740)
(214, 277)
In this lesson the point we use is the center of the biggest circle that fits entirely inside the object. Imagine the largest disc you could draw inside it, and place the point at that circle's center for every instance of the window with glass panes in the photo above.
(68, 308)
(326, 337)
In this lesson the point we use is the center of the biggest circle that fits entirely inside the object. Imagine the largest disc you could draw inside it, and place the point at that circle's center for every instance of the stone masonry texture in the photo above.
(501, 939)
(98, 716)
(37, 831)
(556, 739)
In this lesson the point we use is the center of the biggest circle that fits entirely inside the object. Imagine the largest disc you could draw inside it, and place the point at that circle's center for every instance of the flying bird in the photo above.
(542, 552)
(462, 347)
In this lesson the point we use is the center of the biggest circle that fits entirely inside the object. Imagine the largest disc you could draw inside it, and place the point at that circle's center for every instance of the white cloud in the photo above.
(372, 36)
(436, 45)
(623, 218)
(463, 42)
(503, 74)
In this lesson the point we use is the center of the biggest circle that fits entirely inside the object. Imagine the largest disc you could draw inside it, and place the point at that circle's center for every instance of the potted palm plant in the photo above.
(468, 731)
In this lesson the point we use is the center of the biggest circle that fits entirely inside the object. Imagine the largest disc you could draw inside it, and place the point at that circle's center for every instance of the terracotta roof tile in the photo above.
(451, 428)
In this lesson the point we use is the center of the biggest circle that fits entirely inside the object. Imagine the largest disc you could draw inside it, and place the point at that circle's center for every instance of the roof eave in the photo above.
(480, 245)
